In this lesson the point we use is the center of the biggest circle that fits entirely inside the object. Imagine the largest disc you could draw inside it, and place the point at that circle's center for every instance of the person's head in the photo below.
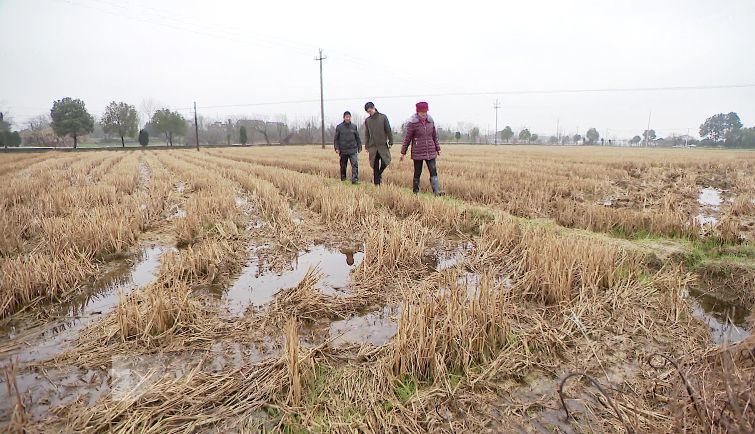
(347, 117)
(370, 108)
(422, 108)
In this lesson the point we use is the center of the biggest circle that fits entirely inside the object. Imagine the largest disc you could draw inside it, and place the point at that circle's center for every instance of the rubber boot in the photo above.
(436, 186)
(415, 185)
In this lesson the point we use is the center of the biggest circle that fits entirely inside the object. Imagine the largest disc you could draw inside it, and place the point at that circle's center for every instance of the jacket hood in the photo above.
(415, 119)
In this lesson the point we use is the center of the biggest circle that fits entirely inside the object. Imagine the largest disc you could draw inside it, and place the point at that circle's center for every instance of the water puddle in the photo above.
(726, 320)
(257, 287)
(445, 259)
(710, 197)
(126, 376)
(55, 387)
(375, 328)
(710, 202)
(706, 220)
(471, 281)
(44, 341)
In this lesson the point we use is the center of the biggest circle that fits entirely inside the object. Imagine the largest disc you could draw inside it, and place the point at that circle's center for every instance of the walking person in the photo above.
(348, 145)
(378, 138)
(423, 138)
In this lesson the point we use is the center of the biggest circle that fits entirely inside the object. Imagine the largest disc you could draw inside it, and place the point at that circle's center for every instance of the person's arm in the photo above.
(407, 138)
(388, 131)
(359, 139)
(366, 134)
(335, 139)
(435, 139)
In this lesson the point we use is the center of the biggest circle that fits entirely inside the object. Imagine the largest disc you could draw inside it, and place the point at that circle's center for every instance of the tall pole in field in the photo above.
(320, 58)
(496, 106)
(647, 132)
(196, 125)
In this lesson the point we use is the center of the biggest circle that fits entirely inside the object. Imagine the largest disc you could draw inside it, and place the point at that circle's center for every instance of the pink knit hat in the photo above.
(422, 106)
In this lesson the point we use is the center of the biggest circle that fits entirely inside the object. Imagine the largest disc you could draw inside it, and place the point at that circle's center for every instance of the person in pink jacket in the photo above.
(423, 138)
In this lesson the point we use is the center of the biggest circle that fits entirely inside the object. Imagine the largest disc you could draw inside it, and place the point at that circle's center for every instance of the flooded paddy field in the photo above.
(248, 290)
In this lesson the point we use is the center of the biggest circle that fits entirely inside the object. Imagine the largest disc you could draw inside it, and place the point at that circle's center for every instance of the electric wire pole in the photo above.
(496, 106)
(647, 132)
(196, 125)
(320, 58)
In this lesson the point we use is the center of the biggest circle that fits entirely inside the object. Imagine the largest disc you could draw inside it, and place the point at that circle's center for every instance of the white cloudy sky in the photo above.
(234, 57)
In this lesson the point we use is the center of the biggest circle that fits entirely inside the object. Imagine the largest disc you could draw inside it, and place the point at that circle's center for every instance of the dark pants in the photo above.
(418, 172)
(378, 166)
(354, 159)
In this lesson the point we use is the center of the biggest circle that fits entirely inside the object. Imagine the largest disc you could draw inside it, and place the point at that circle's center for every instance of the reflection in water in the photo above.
(374, 328)
(46, 340)
(258, 287)
(727, 320)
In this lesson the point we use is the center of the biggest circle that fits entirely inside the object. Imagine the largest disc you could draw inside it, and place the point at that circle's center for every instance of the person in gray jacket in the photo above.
(348, 145)
(378, 139)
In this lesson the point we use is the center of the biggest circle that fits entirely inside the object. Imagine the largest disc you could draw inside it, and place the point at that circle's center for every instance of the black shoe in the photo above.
(355, 182)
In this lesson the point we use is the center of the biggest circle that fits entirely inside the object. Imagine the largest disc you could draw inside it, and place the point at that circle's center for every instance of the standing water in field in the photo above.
(46, 340)
(257, 287)
(374, 328)
(710, 202)
(726, 320)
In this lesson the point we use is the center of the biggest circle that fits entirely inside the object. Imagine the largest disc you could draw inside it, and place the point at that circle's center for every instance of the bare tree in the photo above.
(148, 106)
(39, 122)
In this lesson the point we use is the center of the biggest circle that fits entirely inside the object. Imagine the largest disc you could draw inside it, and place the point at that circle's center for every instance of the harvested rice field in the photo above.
(571, 290)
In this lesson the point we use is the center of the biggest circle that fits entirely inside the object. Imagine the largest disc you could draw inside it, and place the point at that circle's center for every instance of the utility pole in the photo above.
(686, 139)
(558, 132)
(496, 106)
(647, 132)
(320, 58)
(196, 125)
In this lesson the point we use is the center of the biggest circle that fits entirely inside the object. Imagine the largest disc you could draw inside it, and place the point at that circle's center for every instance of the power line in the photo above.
(501, 92)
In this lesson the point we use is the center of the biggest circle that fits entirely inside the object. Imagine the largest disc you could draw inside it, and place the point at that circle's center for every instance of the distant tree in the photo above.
(720, 127)
(474, 134)
(39, 122)
(648, 135)
(553, 140)
(507, 134)
(534, 138)
(143, 137)
(242, 135)
(525, 135)
(10, 139)
(576, 139)
(120, 119)
(169, 123)
(635, 140)
(592, 136)
(742, 138)
(457, 135)
(4, 126)
(70, 117)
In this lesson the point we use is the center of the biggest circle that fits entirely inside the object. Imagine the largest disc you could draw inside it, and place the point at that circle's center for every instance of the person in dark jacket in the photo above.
(423, 138)
(378, 138)
(348, 145)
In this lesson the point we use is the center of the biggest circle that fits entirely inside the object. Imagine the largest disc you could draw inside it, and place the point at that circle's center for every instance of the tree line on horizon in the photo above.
(70, 118)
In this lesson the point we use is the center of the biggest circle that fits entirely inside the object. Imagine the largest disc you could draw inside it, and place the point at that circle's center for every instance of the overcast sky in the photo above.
(234, 57)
